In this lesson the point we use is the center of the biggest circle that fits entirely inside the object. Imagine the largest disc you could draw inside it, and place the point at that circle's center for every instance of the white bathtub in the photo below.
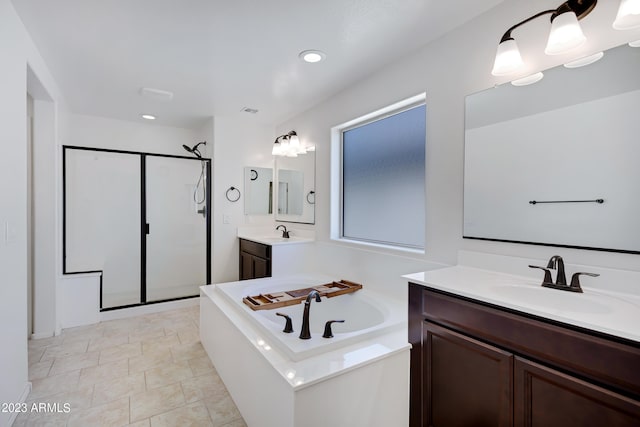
(277, 379)
(366, 314)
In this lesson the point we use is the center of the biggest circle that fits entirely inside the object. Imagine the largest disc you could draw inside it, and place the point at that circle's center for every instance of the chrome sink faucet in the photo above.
(285, 233)
(305, 333)
(557, 263)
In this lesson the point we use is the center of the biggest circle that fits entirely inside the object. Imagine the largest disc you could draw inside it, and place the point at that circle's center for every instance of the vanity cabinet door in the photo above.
(261, 268)
(246, 266)
(255, 260)
(546, 397)
(466, 382)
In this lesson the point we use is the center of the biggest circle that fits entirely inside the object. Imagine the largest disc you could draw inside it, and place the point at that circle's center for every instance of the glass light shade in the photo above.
(635, 43)
(528, 80)
(277, 149)
(565, 34)
(628, 17)
(508, 58)
(294, 141)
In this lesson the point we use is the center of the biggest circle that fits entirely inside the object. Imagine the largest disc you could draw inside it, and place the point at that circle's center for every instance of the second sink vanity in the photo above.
(259, 247)
(500, 350)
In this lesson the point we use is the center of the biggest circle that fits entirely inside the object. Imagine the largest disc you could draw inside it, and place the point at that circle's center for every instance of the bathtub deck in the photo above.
(366, 384)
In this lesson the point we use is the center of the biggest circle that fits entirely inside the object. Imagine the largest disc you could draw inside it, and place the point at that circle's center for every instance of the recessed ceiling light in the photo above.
(581, 62)
(148, 116)
(529, 80)
(635, 43)
(312, 55)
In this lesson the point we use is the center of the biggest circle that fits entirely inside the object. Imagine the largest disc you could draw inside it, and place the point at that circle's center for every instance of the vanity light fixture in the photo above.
(565, 33)
(528, 80)
(581, 62)
(288, 145)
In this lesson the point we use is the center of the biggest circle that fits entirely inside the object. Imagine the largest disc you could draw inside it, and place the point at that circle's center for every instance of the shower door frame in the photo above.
(143, 220)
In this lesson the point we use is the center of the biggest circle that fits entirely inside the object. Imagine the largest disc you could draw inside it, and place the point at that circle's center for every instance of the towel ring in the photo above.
(311, 194)
(230, 190)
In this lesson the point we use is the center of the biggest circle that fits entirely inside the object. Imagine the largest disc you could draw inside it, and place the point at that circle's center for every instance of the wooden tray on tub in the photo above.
(282, 299)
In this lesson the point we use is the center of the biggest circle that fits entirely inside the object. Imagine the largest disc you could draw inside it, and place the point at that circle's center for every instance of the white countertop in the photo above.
(613, 313)
(274, 238)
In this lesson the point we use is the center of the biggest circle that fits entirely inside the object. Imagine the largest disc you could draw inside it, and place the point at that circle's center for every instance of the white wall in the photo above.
(144, 136)
(448, 69)
(16, 51)
(239, 142)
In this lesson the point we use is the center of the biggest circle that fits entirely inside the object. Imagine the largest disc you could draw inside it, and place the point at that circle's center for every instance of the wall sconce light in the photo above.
(565, 32)
(288, 145)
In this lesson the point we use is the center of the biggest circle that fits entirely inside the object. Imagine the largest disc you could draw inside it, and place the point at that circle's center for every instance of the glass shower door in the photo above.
(102, 221)
(176, 241)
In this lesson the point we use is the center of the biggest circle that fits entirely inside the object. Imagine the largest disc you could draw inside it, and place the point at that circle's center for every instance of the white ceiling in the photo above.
(218, 56)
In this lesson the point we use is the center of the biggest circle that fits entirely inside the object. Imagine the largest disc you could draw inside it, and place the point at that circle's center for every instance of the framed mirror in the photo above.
(295, 177)
(258, 190)
(556, 162)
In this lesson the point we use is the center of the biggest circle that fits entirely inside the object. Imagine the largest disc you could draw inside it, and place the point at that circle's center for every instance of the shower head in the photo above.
(194, 150)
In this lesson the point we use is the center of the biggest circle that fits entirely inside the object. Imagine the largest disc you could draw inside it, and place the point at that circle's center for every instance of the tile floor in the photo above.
(149, 371)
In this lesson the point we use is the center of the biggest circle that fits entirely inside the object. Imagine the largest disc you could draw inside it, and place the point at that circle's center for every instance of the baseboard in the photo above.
(41, 335)
(23, 398)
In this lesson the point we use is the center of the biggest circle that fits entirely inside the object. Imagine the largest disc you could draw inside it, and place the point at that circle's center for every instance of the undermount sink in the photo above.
(558, 300)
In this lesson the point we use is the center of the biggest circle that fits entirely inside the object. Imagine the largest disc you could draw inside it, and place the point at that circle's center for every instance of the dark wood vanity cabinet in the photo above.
(474, 364)
(255, 260)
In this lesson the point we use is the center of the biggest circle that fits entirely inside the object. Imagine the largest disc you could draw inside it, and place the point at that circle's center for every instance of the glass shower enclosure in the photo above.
(140, 219)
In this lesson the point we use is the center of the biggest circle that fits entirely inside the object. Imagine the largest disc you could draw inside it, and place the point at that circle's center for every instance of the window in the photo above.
(383, 179)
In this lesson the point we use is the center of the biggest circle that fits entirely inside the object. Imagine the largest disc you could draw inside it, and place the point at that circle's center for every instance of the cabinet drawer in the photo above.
(606, 361)
(257, 249)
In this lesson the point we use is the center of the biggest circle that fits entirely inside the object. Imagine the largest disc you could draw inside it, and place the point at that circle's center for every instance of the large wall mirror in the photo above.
(558, 162)
(296, 197)
(258, 190)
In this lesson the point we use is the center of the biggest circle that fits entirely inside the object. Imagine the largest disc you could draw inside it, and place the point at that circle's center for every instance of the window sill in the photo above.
(379, 247)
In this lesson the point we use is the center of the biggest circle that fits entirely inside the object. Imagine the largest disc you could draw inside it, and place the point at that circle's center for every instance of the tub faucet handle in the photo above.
(327, 328)
(288, 327)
